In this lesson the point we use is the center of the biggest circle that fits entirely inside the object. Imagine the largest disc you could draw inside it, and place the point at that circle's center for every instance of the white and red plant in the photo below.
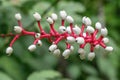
(83, 35)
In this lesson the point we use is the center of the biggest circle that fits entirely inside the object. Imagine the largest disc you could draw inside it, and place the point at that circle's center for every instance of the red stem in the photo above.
(14, 39)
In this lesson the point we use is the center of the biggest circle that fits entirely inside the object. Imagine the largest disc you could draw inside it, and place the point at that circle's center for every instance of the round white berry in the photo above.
(52, 47)
(68, 30)
(76, 30)
(98, 25)
(63, 14)
(71, 48)
(54, 16)
(90, 29)
(37, 16)
(70, 39)
(83, 19)
(105, 40)
(18, 16)
(66, 53)
(91, 56)
(37, 35)
(62, 29)
(9, 50)
(49, 20)
(39, 43)
(109, 48)
(104, 32)
(32, 47)
(17, 29)
(81, 51)
(80, 40)
(87, 21)
(70, 19)
(56, 52)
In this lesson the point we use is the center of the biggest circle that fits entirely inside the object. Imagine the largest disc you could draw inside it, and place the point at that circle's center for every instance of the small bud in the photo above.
(56, 52)
(9, 50)
(52, 47)
(90, 29)
(49, 20)
(37, 35)
(18, 16)
(109, 48)
(70, 39)
(91, 56)
(105, 40)
(76, 30)
(17, 29)
(66, 53)
(104, 32)
(32, 47)
(39, 43)
(54, 16)
(37, 16)
(80, 40)
(62, 29)
(63, 14)
(68, 30)
(70, 19)
(98, 25)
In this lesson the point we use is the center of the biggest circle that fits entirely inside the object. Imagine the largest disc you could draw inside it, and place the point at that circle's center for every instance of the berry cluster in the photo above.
(71, 34)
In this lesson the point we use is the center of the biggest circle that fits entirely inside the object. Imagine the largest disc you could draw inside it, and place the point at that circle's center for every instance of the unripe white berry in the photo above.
(37, 16)
(39, 43)
(83, 19)
(90, 29)
(70, 39)
(84, 34)
(87, 21)
(49, 20)
(105, 40)
(17, 29)
(81, 51)
(52, 47)
(98, 25)
(62, 29)
(76, 30)
(37, 35)
(70, 19)
(32, 47)
(63, 14)
(109, 48)
(91, 56)
(9, 50)
(104, 32)
(66, 53)
(18, 16)
(56, 52)
(54, 16)
(80, 40)
(68, 30)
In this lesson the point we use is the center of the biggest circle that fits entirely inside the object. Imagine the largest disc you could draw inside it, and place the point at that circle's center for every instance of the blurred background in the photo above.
(41, 65)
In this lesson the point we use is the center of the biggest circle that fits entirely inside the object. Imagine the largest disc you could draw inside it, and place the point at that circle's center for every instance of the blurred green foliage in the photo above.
(40, 65)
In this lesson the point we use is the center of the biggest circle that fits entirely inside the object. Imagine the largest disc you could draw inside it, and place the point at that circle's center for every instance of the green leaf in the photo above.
(3, 76)
(44, 75)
